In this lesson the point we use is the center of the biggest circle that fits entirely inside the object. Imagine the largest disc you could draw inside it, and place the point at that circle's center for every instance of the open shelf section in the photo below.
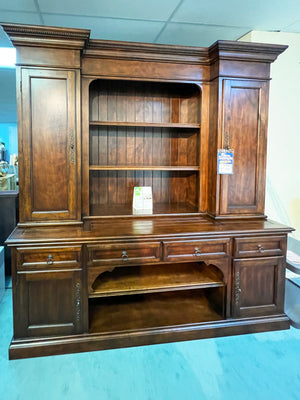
(113, 146)
(155, 310)
(117, 101)
(174, 125)
(143, 168)
(147, 279)
(143, 134)
(126, 209)
(172, 191)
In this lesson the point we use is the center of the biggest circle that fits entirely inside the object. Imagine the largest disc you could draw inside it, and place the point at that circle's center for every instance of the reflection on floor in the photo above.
(264, 366)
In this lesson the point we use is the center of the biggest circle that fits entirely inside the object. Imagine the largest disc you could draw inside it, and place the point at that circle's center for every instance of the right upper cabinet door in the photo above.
(245, 131)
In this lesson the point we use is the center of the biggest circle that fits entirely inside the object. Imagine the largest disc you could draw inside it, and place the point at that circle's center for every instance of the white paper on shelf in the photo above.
(142, 200)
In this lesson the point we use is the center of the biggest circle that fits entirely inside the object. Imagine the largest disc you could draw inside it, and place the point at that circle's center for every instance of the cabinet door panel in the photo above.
(244, 130)
(48, 165)
(48, 303)
(258, 287)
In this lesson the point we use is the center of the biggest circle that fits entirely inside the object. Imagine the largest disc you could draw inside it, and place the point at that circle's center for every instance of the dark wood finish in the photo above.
(149, 279)
(48, 257)
(245, 116)
(115, 188)
(47, 303)
(92, 342)
(144, 102)
(258, 287)
(98, 118)
(48, 106)
(123, 254)
(143, 126)
(126, 209)
(260, 246)
(151, 311)
(195, 249)
(143, 147)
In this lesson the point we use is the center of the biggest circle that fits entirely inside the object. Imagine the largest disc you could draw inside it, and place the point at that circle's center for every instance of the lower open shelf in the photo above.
(155, 310)
(156, 278)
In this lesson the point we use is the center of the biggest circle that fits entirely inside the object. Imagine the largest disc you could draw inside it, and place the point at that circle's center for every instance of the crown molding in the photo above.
(71, 38)
(146, 52)
(245, 51)
(46, 36)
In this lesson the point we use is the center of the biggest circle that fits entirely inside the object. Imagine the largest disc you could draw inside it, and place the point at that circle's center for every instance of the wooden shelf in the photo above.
(158, 208)
(146, 124)
(151, 279)
(151, 311)
(143, 168)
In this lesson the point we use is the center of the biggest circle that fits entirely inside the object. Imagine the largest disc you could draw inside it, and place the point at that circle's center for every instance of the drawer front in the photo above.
(49, 257)
(259, 246)
(124, 254)
(196, 249)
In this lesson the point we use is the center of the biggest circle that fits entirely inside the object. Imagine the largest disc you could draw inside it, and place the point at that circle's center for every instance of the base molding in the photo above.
(49, 346)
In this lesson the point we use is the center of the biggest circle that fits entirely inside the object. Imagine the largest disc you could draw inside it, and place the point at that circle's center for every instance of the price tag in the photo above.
(142, 200)
(225, 162)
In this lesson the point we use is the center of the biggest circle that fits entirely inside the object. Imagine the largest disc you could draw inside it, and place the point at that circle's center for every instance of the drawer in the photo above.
(124, 254)
(260, 246)
(196, 249)
(49, 257)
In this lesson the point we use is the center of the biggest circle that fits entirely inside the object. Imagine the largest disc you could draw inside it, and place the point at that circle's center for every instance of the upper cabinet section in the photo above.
(98, 118)
(245, 130)
(48, 162)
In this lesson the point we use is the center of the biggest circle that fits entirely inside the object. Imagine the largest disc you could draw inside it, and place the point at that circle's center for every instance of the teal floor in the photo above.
(264, 366)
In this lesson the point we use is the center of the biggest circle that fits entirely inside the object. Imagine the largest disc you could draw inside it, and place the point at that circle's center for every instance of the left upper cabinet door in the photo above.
(47, 145)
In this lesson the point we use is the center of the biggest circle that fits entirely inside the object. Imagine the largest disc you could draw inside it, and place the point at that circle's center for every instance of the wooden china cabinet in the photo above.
(98, 118)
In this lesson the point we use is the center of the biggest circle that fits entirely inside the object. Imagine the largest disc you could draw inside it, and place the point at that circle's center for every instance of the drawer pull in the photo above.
(50, 259)
(124, 256)
(260, 248)
(197, 252)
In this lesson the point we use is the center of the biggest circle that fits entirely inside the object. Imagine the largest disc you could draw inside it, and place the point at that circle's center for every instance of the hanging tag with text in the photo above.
(225, 162)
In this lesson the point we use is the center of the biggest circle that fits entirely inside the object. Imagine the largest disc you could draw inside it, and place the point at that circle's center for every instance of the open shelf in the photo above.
(174, 125)
(150, 279)
(154, 310)
(133, 102)
(172, 191)
(116, 146)
(143, 134)
(158, 208)
(143, 168)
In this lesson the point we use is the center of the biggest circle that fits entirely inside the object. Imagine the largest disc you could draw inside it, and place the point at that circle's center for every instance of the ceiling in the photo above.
(184, 22)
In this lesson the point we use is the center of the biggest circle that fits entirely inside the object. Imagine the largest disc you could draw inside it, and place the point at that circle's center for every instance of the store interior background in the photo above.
(261, 366)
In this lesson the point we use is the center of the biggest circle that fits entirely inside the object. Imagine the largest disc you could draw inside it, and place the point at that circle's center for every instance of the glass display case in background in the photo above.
(9, 181)
(9, 216)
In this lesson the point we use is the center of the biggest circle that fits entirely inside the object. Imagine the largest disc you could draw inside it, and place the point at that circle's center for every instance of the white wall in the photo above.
(283, 157)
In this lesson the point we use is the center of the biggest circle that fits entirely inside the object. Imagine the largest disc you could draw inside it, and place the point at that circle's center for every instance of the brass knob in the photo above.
(50, 259)
(197, 252)
(124, 256)
(260, 248)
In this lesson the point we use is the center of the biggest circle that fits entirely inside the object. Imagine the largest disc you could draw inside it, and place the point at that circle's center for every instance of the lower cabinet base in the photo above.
(48, 346)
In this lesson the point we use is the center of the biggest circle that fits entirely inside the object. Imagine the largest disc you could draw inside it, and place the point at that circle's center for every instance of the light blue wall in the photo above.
(9, 135)
(283, 178)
